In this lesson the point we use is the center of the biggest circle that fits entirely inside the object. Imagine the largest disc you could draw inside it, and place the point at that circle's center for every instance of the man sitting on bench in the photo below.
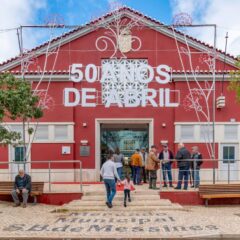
(22, 185)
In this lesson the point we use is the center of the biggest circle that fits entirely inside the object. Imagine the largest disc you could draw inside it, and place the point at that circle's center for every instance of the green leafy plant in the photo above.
(17, 101)
(234, 84)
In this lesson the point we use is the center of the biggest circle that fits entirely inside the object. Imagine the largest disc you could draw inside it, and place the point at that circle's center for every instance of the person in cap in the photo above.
(195, 166)
(183, 158)
(166, 157)
(144, 172)
(22, 186)
(109, 173)
(152, 166)
(136, 162)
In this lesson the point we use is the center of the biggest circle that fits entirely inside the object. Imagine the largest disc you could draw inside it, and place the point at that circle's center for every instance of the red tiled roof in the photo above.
(66, 72)
(125, 8)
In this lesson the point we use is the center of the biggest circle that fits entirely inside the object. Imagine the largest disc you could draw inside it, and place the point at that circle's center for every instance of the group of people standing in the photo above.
(144, 166)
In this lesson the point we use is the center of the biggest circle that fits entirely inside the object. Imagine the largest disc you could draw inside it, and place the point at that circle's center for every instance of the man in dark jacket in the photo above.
(166, 157)
(183, 161)
(195, 166)
(22, 185)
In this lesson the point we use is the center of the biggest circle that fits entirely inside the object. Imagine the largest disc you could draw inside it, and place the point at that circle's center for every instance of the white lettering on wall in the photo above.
(132, 97)
(76, 96)
(86, 95)
(113, 98)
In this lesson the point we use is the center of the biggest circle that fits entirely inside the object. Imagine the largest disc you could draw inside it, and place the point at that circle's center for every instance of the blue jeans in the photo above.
(110, 189)
(136, 174)
(183, 175)
(119, 171)
(167, 171)
(195, 177)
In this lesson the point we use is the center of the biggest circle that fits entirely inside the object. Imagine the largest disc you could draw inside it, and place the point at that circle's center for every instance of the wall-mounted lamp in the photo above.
(164, 142)
(164, 125)
(84, 142)
(232, 119)
(84, 124)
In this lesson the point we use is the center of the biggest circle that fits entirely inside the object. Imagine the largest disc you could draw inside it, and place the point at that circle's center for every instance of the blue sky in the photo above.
(81, 11)
(13, 13)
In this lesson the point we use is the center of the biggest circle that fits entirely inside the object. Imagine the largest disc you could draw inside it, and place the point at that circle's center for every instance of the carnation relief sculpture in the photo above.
(118, 34)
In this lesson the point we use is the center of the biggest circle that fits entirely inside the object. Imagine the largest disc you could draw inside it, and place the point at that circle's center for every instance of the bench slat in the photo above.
(7, 187)
(211, 191)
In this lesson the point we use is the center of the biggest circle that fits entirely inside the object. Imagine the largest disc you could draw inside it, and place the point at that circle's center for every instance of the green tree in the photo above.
(17, 101)
(234, 84)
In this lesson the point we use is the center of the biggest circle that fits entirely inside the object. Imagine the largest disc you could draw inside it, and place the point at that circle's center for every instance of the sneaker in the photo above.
(16, 204)
(171, 186)
(125, 205)
(24, 205)
(164, 185)
(192, 186)
(184, 188)
(129, 200)
(177, 188)
(110, 205)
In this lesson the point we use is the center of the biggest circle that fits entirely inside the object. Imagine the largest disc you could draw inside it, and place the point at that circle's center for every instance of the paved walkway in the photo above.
(79, 219)
(41, 221)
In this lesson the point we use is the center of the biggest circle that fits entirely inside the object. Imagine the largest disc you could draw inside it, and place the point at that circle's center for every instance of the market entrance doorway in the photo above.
(126, 137)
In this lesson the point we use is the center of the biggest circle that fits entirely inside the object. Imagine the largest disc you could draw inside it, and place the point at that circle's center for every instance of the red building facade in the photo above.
(98, 94)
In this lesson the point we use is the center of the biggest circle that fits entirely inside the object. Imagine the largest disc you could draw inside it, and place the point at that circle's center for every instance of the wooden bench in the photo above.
(210, 191)
(37, 189)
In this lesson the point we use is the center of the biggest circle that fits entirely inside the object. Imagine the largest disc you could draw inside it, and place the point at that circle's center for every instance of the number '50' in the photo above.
(77, 73)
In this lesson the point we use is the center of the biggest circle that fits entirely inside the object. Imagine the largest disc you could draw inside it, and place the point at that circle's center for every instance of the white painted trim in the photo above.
(219, 132)
(202, 123)
(40, 123)
(175, 77)
(98, 121)
(51, 132)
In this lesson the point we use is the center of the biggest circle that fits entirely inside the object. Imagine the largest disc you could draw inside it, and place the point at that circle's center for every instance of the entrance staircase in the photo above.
(142, 199)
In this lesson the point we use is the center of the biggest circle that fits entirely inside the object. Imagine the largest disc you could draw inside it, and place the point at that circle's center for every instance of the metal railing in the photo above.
(211, 171)
(46, 170)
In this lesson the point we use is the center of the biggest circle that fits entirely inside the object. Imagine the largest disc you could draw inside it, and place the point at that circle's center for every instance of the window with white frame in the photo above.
(187, 132)
(231, 132)
(206, 133)
(61, 132)
(42, 132)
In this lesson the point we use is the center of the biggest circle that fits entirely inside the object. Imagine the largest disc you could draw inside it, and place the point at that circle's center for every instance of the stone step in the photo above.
(137, 192)
(120, 197)
(121, 208)
(139, 203)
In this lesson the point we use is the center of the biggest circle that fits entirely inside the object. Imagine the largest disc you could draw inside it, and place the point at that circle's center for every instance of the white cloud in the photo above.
(13, 14)
(221, 12)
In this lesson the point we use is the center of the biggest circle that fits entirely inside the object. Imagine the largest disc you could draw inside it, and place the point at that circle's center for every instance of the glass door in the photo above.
(18, 161)
(127, 139)
(228, 162)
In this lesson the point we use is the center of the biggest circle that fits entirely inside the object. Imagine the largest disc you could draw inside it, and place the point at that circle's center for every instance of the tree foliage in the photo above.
(17, 101)
(234, 84)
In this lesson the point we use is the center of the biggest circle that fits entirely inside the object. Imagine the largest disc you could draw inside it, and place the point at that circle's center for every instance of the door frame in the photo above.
(99, 121)
(10, 167)
(221, 145)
